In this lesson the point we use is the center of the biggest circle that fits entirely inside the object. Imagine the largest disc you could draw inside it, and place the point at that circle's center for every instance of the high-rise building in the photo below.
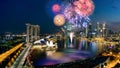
(98, 29)
(104, 29)
(90, 30)
(32, 32)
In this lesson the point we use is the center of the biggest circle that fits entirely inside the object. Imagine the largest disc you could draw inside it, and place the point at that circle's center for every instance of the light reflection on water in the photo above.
(92, 46)
(77, 50)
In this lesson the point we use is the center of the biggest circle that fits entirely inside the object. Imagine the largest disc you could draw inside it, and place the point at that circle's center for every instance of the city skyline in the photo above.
(59, 34)
(15, 14)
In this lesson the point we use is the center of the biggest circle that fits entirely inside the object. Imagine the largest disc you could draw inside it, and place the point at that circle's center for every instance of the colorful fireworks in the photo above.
(55, 8)
(83, 7)
(59, 20)
(68, 12)
(74, 12)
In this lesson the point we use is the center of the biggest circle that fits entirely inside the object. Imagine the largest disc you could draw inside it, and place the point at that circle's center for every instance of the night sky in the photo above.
(14, 14)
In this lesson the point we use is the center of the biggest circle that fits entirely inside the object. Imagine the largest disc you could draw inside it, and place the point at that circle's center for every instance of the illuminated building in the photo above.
(32, 32)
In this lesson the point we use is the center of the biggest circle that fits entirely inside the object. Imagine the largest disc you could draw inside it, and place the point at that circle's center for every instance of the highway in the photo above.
(21, 58)
(115, 61)
(6, 54)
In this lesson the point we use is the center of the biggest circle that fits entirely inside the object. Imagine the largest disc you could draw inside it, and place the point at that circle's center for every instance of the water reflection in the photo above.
(69, 51)
(92, 46)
